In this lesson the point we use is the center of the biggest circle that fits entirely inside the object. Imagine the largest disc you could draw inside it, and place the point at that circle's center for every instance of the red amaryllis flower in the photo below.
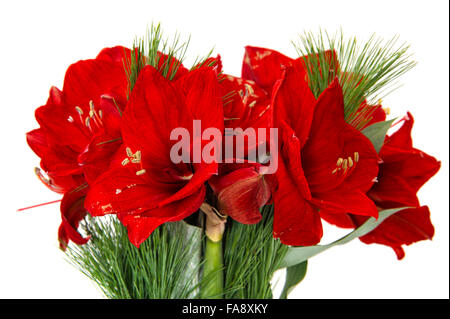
(324, 162)
(80, 130)
(143, 186)
(403, 170)
(240, 187)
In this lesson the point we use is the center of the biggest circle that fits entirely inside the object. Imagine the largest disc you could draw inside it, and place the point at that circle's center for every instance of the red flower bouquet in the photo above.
(188, 182)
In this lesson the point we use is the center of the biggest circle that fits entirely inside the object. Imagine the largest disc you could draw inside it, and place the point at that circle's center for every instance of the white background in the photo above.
(40, 39)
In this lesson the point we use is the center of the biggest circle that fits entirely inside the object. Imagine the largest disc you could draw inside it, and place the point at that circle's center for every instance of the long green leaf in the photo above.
(294, 275)
(192, 244)
(377, 132)
(297, 255)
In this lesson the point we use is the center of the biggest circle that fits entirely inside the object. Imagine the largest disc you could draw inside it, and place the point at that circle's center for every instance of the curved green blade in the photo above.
(297, 255)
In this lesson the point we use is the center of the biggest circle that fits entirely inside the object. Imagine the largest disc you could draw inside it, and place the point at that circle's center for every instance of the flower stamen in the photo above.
(140, 172)
(350, 162)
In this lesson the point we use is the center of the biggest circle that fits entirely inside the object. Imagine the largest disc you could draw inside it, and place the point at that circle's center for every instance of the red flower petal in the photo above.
(342, 201)
(290, 152)
(400, 158)
(340, 220)
(55, 123)
(117, 54)
(403, 228)
(294, 102)
(392, 191)
(37, 140)
(241, 193)
(97, 156)
(403, 171)
(72, 212)
(140, 226)
(202, 96)
(202, 173)
(402, 137)
(89, 79)
(55, 97)
(296, 222)
(264, 66)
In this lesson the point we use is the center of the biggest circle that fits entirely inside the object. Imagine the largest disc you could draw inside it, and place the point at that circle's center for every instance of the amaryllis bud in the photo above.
(215, 222)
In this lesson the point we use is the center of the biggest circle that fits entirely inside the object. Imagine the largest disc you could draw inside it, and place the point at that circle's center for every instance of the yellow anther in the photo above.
(186, 178)
(334, 171)
(387, 110)
(142, 171)
(136, 157)
(91, 105)
(252, 104)
(100, 113)
(129, 152)
(356, 156)
(249, 88)
(344, 164)
(125, 161)
(87, 121)
(339, 161)
(79, 110)
(350, 162)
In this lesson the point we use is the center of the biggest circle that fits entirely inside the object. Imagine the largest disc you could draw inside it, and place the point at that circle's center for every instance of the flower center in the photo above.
(345, 165)
(134, 158)
(93, 121)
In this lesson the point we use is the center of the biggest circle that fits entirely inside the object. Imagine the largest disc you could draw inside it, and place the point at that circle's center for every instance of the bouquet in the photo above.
(182, 182)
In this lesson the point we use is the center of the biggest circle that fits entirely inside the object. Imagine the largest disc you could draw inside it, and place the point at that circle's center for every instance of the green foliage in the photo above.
(165, 266)
(366, 72)
(376, 133)
(251, 256)
(294, 275)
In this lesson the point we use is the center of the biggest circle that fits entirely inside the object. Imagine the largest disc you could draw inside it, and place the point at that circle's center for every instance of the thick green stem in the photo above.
(212, 286)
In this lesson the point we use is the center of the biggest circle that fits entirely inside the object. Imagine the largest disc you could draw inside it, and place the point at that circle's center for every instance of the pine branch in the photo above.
(366, 72)
(166, 265)
(251, 257)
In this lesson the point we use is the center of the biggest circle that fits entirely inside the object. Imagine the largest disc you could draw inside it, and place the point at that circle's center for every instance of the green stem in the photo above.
(212, 286)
